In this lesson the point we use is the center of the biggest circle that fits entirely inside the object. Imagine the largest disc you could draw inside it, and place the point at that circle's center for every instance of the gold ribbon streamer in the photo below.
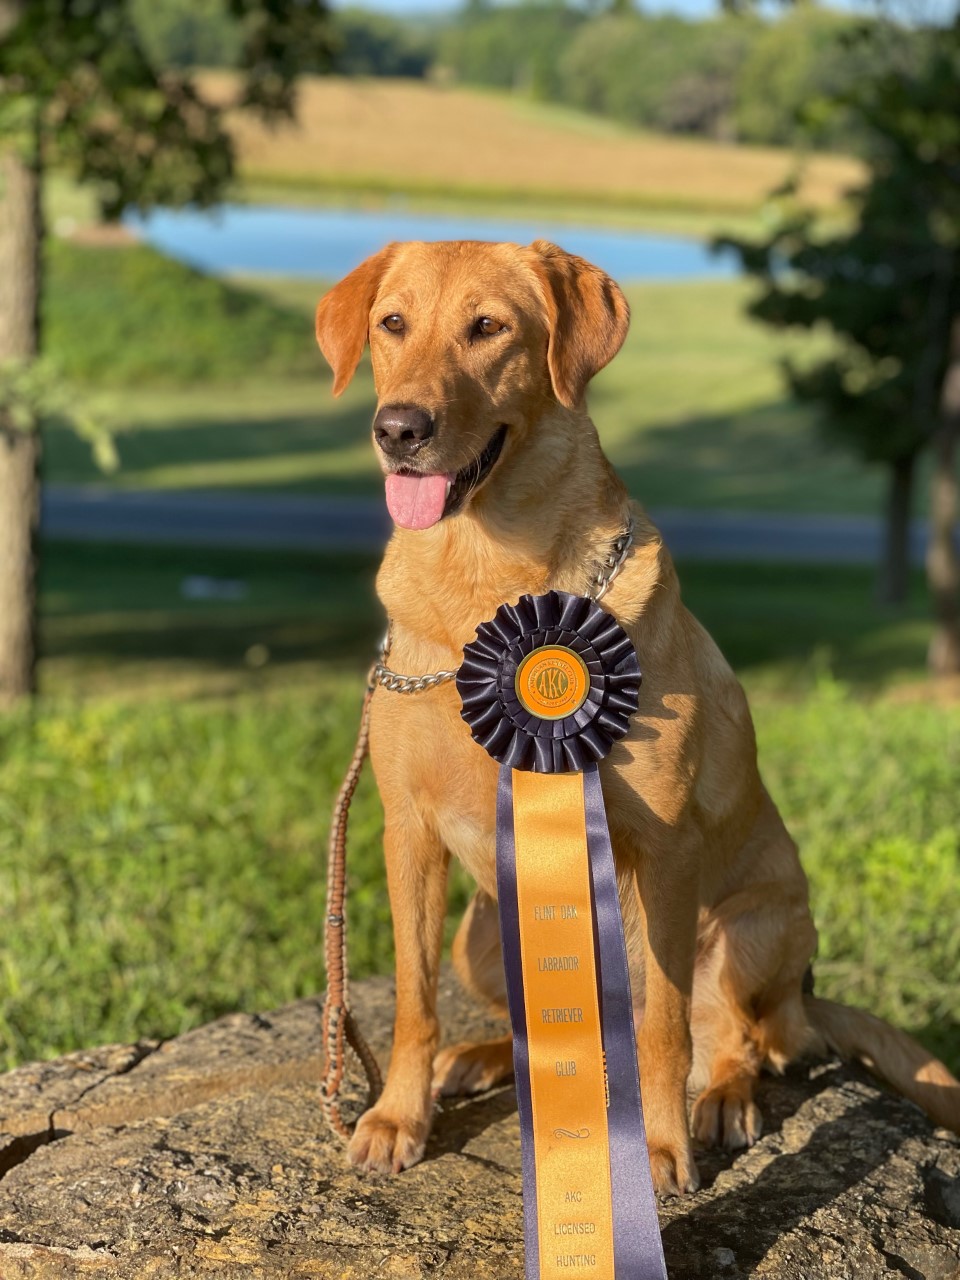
(560, 984)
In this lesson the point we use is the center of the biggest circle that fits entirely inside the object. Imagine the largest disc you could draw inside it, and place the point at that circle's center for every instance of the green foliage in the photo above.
(123, 317)
(660, 72)
(888, 286)
(794, 64)
(203, 33)
(26, 388)
(188, 33)
(869, 791)
(729, 76)
(141, 134)
(517, 46)
(378, 44)
(31, 390)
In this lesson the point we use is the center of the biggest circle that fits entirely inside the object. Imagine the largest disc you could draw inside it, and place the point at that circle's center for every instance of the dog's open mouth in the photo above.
(417, 500)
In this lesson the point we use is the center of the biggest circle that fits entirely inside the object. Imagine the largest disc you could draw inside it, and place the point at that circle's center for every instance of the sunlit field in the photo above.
(381, 136)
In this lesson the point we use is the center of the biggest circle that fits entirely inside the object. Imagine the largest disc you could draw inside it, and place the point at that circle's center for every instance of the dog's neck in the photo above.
(545, 520)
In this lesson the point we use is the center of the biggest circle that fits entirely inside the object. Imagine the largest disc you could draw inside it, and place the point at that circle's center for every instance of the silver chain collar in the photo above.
(607, 571)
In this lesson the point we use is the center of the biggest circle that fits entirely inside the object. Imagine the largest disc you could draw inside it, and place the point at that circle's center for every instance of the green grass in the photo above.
(164, 808)
(692, 411)
(162, 863)
(869, 791)
(161, 860)
(125, 316)
(115, 617)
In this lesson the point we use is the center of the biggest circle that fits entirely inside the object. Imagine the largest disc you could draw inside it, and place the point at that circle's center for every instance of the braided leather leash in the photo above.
(340, 1029)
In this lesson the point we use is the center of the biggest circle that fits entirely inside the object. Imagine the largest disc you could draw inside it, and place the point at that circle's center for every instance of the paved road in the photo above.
(361, 524)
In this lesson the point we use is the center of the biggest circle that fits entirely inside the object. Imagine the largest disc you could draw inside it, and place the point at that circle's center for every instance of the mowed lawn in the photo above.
(381, 136)
(164, 808)
(692, 411)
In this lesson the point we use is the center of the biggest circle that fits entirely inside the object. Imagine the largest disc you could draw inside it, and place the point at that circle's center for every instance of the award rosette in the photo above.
(547, 688)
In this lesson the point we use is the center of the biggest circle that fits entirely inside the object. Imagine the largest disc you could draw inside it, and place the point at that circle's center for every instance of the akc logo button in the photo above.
(552, 682)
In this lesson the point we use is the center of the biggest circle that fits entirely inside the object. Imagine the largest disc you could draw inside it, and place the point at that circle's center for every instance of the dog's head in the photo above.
(472, 344)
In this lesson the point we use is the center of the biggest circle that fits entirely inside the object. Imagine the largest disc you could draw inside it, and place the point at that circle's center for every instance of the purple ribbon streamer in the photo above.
(510, 939)
(637, 1246)
(638, 1249)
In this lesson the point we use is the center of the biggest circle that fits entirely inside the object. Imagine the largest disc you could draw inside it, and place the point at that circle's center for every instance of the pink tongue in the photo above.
(416, 502)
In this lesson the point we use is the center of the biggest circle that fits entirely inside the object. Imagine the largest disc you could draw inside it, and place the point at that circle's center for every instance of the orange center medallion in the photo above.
(552, 682)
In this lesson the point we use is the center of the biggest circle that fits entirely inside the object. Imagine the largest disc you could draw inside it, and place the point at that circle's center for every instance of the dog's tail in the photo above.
(892, 1054)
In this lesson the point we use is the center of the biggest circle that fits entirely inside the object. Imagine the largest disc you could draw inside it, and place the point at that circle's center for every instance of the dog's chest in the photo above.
(425, 758)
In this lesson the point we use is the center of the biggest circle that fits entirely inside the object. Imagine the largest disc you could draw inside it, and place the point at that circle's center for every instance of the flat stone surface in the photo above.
(208, 1157)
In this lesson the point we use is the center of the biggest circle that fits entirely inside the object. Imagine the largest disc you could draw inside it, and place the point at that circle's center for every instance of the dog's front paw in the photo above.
(674, 1169)
(387, 1144)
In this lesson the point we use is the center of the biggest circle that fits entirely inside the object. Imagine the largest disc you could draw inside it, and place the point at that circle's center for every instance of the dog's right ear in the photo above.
(343, 317)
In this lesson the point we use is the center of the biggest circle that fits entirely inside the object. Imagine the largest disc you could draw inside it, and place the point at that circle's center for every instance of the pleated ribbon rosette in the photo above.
(547, 688)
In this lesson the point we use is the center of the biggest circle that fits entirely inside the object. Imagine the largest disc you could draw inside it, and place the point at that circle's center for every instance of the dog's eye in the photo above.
(392, 324)
(487, 327)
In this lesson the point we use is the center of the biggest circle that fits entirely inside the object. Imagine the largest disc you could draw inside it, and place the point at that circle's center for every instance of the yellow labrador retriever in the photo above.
(497, 484)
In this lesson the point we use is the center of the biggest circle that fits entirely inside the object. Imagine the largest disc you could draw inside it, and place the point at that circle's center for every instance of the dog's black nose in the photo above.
(400, 429)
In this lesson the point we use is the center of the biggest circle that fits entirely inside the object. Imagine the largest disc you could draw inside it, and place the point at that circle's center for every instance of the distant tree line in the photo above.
(731, 77)
(203, 33)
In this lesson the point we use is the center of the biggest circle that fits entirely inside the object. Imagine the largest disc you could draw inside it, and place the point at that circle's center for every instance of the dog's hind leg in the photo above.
(727, 1059)
(472, 1067)
(754, 949)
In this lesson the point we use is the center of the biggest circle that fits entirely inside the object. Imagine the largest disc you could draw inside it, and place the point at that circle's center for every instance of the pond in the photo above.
(326, 243)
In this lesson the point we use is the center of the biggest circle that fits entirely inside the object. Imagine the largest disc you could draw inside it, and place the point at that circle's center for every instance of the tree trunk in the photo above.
(20, 240)
(943, 561)
(19, 510)
(894, 577)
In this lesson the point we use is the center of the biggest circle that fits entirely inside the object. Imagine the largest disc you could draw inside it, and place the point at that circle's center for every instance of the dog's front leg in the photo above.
(667, 893)
(392, 1135)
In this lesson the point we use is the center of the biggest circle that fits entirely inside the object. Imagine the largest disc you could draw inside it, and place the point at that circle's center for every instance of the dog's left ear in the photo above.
(343, 317)
(588, 317)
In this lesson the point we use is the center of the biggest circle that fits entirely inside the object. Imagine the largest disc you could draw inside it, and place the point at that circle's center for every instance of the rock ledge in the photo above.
(206, 1156)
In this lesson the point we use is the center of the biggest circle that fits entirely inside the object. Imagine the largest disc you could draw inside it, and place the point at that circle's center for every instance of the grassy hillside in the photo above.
(416, 138)
(692, 411)
(126, 315)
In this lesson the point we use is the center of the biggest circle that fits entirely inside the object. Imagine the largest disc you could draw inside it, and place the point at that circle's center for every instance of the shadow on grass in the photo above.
(761, 459)
(767, 458)
(283, 453)
(823, 619)
(126, 604)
